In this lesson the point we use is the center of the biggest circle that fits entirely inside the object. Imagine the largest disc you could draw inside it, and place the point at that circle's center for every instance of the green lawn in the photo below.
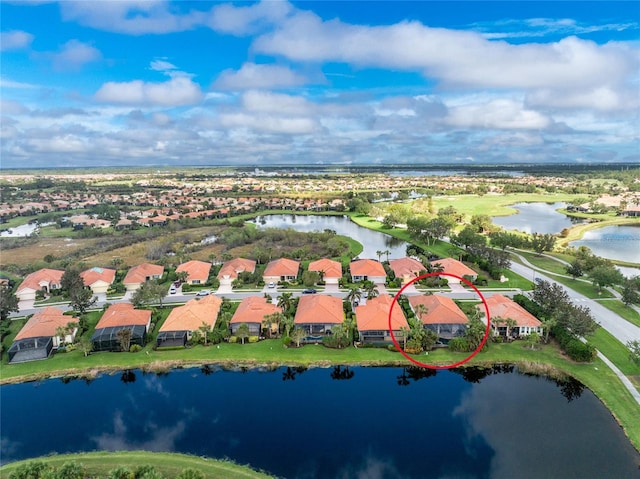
(615, 351)
(543, 262)
(98, 464)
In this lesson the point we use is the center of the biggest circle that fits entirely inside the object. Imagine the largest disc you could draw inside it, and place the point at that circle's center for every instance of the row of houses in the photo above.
(317, 314)
(283, 269)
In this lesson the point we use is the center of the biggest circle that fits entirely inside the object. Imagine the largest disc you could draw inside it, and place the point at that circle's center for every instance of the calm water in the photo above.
(331, 423)
(613, 242)
(536, 218)
(371, 240)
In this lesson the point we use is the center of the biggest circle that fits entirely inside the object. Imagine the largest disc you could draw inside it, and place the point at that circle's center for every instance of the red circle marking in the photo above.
(431, 366)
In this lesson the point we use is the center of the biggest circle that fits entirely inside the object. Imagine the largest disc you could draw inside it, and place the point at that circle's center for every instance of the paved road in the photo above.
(620, 328)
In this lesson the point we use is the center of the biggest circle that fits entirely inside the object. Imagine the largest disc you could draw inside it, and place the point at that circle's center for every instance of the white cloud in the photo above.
(261, 101)
(74, 54)
(454, 57)
(256, 76)
(179, 90)
(15, 40)
(541, 27)
(162, 65)
(135, 17)
(6, 83)
(269, 123)
(604, 98)
(228, 18)
(501, 114)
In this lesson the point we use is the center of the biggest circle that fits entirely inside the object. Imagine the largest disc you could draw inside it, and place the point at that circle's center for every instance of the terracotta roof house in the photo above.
(406, 268)
(184, 320)
(141, 273)
(367, 270)
(197, 271)
(38, 337)
(117, 317)
(317, 314)
(502, 308)
(373, 320)
(442, 316)
(282, 269)
(252, 311)
(332, 270)
(43, 279)
(453, 266)
(232, 268)
(98, 279)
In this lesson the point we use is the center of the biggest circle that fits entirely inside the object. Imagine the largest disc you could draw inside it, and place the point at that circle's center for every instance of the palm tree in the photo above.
(421, 310)
(387, 252)
(379, 253)
(547, 324)
(510, 323)
(497, 321)
(372, 290)
(204, 330)
(353, 295)
(285, 301)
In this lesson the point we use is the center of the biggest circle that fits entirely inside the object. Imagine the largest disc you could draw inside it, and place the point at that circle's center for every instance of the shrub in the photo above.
(135, 348)
(186, 287)
(286, 340)
(459, 345)
(233, 339)
(253, 339)
(414, 346)
(392, 348)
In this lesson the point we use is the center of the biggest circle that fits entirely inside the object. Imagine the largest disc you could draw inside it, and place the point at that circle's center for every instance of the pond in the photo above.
(327, 423)
(18, 231)
(537, 218)
(372, 241)
(613, 242)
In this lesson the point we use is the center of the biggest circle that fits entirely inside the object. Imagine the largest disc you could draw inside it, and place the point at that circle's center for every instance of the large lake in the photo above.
(372, 241)
(331, 423)
(613, 242)
(536, 218)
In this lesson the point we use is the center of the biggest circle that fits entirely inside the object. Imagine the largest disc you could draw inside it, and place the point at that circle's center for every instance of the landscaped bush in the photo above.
(392, 348)
(253, 339)
(233, 339)
(459, 345)
(570, 344)
(135, 348)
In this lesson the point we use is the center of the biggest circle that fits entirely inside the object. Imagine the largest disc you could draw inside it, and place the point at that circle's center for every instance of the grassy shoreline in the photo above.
(170, 464)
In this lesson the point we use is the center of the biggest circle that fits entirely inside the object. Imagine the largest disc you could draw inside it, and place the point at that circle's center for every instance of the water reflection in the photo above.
(128, 376)
(414, 373)
(536, 218)
(342, 372)
(613, 242)
(290, 373)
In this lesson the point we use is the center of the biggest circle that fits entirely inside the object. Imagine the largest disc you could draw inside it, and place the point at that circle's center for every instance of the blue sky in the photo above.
(91, 83)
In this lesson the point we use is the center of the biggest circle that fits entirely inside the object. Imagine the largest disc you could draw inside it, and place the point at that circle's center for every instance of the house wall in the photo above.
(382, 336)
(254, 328)
(26, 294)
(269, 279)
(331, 280)
(132, 286)
(99, 287)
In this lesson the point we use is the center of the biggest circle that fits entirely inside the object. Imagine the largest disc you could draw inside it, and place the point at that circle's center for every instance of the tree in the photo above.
(354, 295)
(468, 237)
(634, 351)
(149, 292)
(124, 338)
(85, 345)
(285, 301)
(71, 281)
(482, 223)
(379, 253)
(271, 319)
(204, 329)
(532, 339)
(630, 293)
(81, 300)
(243, 332)
(542, 242)
(577, 319)
(182, 276)
(437, 228)
(371, 289)
(550, 297)
(605, 275)
(297, 335)
(509, 324)
(574, 269)
(8, 301)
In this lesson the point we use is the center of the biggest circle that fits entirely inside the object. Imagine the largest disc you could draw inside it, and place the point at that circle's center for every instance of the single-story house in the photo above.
(367, 270)
(442, 316)
(44, 279)
(317, 314)
(252, 311)
(39, 336)
(331, 271)
(372, 319)
(232, 268)
(98, 279)
(283, 269)
(117, 317)
(406, 268)
(197, 271)
(184, 320)
(141, 273)
(453, 266)
(502, 308)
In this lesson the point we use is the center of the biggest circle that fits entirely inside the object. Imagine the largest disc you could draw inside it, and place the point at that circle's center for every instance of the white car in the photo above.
(271, 284)
(173, 290)
(203, 292)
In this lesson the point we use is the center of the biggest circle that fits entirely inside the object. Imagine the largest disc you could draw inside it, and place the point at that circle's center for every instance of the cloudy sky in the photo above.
(131, 82)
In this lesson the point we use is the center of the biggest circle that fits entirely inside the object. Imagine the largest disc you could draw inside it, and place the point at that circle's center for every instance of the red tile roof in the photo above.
(453, 266)
(33, 280)
(140, 273)
(195, 270)
(191, 316)
(440, 310)
(235, 266)
(95, 274)
(331, 268)
(366, 267)
(374, 316)
(319, 309)
(502, 307)
(282, 267)
(44, 323)
(406, 267)
(123, 314)
(253, 310)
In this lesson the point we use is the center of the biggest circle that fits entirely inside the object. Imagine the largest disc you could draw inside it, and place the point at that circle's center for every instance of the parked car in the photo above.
(309, 291)
(203, 292)
(173, 289)
(271, 284)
